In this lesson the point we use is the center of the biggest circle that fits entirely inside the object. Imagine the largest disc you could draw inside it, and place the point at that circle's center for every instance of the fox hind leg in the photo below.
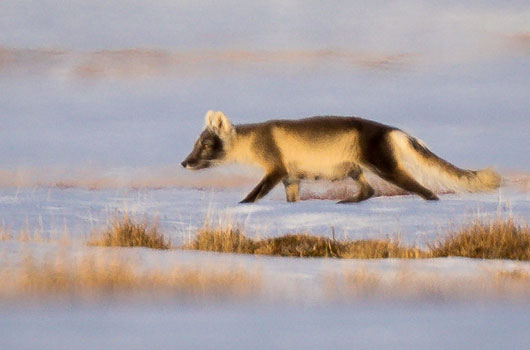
(292, 189)
(379, 155)
(365, 190)
(403, 179)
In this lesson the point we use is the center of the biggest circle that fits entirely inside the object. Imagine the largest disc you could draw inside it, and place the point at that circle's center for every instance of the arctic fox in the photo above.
(331, 148)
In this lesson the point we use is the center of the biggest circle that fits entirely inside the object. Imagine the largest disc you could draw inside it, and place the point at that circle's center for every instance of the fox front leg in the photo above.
(263, 187)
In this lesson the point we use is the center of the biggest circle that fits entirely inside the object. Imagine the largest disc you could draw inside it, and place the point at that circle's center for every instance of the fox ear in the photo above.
(218, 122)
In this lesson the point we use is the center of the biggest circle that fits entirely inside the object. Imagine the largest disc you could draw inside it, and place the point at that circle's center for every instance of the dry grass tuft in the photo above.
(299, 245)
(381, 249)
(105, 275)
(223, 240)
(125, 232)
(495, 239)
(304, 245)
(232, 240)
(499, 239)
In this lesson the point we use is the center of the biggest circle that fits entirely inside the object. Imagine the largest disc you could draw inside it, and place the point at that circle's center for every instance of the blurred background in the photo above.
(125, 84)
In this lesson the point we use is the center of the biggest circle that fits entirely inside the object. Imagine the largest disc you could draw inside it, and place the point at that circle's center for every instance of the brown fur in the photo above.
(326, 148)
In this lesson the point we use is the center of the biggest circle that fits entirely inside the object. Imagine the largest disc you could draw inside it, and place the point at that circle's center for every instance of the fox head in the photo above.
(212, 145)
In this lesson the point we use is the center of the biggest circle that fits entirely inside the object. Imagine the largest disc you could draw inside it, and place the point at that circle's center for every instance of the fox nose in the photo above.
(184, 163)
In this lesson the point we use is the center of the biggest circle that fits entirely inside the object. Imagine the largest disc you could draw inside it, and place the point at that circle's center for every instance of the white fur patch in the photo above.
(219, 123)
(429, 172)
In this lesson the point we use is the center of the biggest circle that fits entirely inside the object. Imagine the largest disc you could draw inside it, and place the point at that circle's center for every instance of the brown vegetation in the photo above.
(482, 239)
(412, 285)
(497, 239)
(106, 274)
(223, 240)
(304, 245)
(500, 239)
(103, 272)
(125, 232)
(232, 240)
(110, 274)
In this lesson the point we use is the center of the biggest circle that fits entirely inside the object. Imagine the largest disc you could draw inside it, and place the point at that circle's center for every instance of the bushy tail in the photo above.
(431, 170)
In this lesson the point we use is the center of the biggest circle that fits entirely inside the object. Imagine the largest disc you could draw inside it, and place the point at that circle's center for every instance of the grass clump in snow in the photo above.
(223, 240)
(125, 232)
(493, 239)
(304, 245)
(496, 239)
(232, 240)
(108, 274)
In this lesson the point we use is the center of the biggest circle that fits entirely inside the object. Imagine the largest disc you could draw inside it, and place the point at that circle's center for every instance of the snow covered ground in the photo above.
(362, 326)
(297, 306)
(77, 212)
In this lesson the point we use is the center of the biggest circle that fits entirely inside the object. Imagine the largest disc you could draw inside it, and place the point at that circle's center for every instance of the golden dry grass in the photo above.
(94, 275)
(499, 239)
(62, 276)
(26, 235)
(304, 245)
(494, 239)
(232, 240)
(413, 285)
(482, 239)
(223, 240)
(125, 232)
